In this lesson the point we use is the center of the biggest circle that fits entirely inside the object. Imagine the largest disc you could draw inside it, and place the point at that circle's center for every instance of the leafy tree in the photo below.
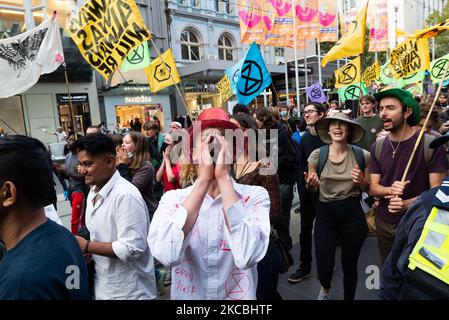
(442, 40)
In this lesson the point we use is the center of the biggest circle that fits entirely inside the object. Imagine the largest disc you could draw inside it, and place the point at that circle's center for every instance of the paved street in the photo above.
(307, 289)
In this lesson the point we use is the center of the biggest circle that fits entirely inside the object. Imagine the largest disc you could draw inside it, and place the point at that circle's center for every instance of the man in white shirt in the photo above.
(118, 221)
(213, 233)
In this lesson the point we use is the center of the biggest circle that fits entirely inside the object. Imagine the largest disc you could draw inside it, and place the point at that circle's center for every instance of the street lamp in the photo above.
(396, 9)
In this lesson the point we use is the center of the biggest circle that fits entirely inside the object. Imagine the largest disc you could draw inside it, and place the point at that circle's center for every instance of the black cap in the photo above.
(439, 141)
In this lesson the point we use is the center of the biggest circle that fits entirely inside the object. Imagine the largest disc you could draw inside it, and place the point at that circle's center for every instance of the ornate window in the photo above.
(226, 47)
(190, 45)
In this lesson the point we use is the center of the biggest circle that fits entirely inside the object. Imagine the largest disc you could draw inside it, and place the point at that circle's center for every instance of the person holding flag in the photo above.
(399, 112)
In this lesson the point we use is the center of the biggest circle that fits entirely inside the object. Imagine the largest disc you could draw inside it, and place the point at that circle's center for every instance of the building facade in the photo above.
(46, 105)
(205, 39)
(127, 96)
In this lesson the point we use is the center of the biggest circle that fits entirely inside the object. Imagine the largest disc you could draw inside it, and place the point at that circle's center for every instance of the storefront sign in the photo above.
(136, 88)
(74, 98)
(138, 99)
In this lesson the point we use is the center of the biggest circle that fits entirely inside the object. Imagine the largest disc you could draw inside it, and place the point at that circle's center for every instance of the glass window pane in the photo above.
(228, 42)
(229, 55)
(193, 37)
(220, 54)
(184, 36)
(11, 23)
(220, 41)
(195, 53)
(185, 52)
(11, 113)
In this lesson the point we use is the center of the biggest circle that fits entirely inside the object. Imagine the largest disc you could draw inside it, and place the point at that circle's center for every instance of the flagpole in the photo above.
(70, 100)
(296, 57)
(338, 26)
(305, 68)
(286, 80)
(171, 77)
(319, 62)
(421, 132)
(265, 102)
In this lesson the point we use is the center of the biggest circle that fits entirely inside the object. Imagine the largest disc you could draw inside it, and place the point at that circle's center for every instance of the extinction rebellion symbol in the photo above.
(439, 68)
(252, 74)
(315, 93)
(348, 74)
(352, 92)
(137, 55)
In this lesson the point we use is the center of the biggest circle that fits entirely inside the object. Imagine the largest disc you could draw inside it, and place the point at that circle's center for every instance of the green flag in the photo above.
(139, 58)
(386, 76)
(417, 89)
(352, 92)
(411, 80)
(437, 68)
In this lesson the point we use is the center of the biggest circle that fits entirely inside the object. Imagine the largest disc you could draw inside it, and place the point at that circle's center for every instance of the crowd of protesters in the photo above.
(147, 211)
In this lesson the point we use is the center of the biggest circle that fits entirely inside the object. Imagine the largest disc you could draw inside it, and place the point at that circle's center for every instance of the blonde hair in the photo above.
(188, 172)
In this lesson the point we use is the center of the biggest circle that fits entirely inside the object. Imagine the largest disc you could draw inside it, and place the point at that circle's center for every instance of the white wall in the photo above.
(40, 107)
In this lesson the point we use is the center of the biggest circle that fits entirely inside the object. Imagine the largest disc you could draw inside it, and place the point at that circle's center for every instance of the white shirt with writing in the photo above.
(214, 262)
(120, 216)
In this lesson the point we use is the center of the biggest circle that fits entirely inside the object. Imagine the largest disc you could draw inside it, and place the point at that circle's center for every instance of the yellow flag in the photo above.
(409, 57)
(352, 43)
(106, 32)
(348, 74)
(433, 31)
(162, 72)
(371, 74)
(224, 87)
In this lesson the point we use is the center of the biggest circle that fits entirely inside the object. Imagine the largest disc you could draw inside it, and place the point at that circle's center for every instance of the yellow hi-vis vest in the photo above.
(431, 252)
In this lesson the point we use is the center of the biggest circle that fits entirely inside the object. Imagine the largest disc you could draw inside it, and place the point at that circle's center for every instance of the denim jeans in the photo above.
(283, 226)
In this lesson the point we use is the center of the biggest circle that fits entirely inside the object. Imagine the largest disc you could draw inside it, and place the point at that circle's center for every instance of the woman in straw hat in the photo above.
(214, 232)
(339, 170)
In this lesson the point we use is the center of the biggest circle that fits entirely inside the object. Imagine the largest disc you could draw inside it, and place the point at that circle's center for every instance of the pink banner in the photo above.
(327, 17)
(307, 24)
(278, 23)
(378, 25)
(251, 15)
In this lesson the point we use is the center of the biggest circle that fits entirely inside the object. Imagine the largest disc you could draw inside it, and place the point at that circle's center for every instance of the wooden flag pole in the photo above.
(424, 125)
(70, 101)
(171, 77)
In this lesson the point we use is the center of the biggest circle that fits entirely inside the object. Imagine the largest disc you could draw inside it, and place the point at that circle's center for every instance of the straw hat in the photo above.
(322, 127)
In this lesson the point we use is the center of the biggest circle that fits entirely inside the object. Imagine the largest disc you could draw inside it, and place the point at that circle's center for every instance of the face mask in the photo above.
(283, 113)
(130, 154)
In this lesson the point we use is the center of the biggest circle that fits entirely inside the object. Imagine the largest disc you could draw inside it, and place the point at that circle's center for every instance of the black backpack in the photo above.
(324, 154)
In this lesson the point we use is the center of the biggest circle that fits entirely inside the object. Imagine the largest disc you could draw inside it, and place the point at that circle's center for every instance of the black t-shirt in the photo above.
(308, 144)
(45, 265)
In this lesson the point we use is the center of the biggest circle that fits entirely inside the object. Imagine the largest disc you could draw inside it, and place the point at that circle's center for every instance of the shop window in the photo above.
(226, 47)
(190, 45)
(81, 112)
(126, 115)
(11, 115)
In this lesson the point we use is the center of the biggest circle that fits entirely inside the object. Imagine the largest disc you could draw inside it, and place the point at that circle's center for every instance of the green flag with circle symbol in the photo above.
(437, 68)
(138, 58)
(352, 92)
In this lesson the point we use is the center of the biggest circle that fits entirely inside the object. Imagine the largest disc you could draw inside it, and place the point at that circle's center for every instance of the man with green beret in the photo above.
(399, 112)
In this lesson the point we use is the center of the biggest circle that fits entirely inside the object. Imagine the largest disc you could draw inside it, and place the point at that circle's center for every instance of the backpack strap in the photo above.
(324, 153)
(359, 157)
(428, 152)
(378, 148)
